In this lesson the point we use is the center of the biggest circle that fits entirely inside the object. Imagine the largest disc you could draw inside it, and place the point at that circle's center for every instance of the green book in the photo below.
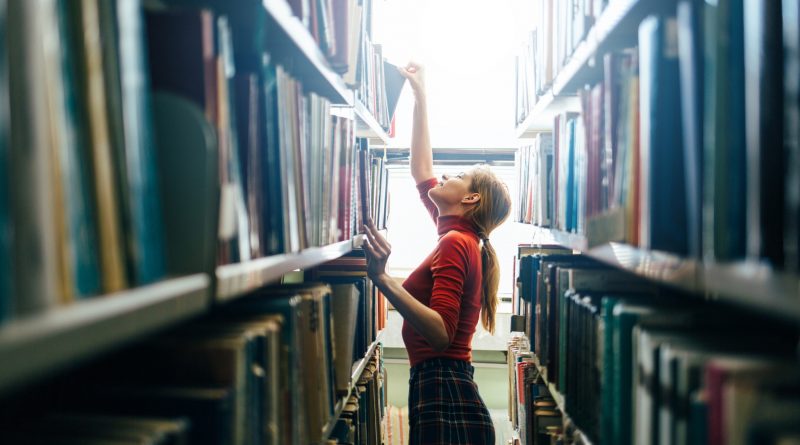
(189, 177)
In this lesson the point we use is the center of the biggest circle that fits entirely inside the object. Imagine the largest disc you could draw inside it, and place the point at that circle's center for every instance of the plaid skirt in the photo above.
(444, 406)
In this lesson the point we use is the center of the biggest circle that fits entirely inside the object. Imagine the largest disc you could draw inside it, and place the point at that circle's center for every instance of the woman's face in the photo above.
(451, 190)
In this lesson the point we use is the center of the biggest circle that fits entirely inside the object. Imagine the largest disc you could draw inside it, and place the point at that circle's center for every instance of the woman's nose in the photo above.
(445, 177)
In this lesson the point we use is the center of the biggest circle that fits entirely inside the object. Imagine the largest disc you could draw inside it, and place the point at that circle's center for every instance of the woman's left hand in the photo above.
(377, 250)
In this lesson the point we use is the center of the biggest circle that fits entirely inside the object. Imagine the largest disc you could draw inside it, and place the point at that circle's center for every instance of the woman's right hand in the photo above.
(415, 73)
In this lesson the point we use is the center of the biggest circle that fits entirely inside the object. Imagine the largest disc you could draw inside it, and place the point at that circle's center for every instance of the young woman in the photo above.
(443, 298)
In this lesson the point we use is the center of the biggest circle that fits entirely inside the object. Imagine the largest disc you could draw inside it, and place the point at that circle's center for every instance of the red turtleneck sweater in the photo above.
(449, 282)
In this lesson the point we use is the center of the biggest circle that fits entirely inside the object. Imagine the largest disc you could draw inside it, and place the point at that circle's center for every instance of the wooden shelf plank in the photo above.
(39, 345)
(294, 47)
(235, 280)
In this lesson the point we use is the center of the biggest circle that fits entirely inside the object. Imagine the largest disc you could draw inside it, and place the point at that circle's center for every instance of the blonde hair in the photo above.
(491, 210)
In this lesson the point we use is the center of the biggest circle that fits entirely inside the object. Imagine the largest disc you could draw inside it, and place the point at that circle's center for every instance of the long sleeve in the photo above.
(423, 188)
(449, 269)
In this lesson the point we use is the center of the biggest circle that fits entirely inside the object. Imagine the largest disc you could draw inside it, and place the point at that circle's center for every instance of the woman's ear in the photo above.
(471, 198)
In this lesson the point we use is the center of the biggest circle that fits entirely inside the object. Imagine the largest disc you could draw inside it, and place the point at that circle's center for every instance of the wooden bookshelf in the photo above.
(358, 369)
(559, 399)
(235, 280)
(42, 344)
(293, 45)
(746, 284)
(615, 28)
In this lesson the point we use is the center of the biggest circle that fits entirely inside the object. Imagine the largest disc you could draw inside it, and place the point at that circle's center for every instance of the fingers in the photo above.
(374, 245)
(376, 238)
(413, 66)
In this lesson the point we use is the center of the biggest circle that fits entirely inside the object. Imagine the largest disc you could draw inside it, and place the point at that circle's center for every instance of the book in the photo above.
(190, 200)
(395, 82)
(791, 112)
(727, 173)
(6, 219)
(80, 257)
(691, 61)
(35, 259)
(130, 122)
(663, 197)
(766, 156)
(345, 301)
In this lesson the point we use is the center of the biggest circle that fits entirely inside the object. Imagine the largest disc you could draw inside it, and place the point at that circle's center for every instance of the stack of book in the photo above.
(633, 363)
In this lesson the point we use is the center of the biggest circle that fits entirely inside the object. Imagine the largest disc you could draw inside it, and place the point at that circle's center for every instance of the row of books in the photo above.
(164, 143)
(534, 171)
(558, 28)
(269, 368)
(534, 413)
(359, 423)
(378, 207)
(638, 364)
(343, 31)
(79, 200)
(338, 27)
(349, 270)
(672, 149)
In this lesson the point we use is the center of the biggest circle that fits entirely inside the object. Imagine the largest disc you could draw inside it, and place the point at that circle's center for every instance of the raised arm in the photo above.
(421, 152)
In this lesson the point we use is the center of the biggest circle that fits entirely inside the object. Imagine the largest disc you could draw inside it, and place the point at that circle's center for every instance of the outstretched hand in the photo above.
(377, 251)
(415, 73)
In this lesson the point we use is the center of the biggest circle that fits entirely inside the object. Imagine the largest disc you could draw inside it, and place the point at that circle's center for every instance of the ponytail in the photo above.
(491, 281)
(490, 211)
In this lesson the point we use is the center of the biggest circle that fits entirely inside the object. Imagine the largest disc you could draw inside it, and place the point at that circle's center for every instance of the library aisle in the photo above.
(184, 186)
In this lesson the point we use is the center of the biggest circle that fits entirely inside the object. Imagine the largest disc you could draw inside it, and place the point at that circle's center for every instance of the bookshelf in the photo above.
(290, 41)
(234, 280)
(615, 28)
(748, 285)
(702, 219)
(541, 116)
(45, 343)
(366, 124)
(228, 128)
(559, 399)
(358, 369)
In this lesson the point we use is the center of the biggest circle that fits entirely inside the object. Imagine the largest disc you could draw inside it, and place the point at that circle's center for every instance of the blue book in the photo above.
(663, 211)
(691, 47)
(571, 189)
